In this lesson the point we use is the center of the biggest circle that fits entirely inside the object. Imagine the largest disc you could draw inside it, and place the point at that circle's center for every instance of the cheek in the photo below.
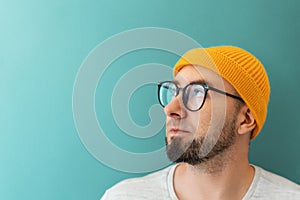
(200, 122)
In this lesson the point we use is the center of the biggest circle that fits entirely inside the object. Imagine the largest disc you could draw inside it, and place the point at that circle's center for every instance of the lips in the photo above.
(177, 131)
(176, 128)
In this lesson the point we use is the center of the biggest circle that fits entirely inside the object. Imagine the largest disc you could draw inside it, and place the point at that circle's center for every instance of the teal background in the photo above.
(43, 43)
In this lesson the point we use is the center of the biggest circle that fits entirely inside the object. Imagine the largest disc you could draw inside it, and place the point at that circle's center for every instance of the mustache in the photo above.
(177, 124)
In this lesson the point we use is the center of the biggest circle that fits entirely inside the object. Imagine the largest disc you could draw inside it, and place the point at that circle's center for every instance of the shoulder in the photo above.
(142, 187)
(273, 185)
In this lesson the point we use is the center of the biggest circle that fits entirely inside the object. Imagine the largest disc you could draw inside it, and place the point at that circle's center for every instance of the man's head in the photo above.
(226, 75)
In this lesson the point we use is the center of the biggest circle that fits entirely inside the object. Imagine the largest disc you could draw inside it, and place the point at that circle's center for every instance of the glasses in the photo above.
(193, 94)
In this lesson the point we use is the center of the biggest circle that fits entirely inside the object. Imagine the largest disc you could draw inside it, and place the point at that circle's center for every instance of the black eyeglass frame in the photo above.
(184, 99)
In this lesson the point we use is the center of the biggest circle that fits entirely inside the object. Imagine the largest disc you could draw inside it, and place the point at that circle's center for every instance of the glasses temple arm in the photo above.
(225, 93)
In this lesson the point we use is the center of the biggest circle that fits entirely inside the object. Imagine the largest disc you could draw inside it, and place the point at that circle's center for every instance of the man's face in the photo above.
(195, 137)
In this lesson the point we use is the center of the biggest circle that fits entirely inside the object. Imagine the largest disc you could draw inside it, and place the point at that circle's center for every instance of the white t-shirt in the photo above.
(159, 185)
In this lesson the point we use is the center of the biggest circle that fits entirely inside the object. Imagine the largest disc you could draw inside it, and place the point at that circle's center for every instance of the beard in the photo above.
(201, 150)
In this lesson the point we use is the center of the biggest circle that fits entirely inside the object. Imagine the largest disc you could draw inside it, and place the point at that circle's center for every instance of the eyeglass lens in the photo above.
(193, 94)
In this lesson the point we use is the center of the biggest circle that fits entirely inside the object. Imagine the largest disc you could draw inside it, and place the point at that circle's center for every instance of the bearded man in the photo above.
(215, 105)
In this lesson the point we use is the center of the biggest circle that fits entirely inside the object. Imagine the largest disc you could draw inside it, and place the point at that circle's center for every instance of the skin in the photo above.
(228, 174)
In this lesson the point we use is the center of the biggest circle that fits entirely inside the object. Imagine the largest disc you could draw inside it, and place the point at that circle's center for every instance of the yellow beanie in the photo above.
(241, 69)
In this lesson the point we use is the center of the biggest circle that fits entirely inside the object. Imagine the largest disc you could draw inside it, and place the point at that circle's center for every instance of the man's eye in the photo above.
(198, 93)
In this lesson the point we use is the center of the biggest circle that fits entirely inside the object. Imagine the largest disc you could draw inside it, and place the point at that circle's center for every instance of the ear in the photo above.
(246, 121)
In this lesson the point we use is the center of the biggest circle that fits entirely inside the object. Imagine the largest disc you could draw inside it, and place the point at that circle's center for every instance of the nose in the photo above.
(175, 109)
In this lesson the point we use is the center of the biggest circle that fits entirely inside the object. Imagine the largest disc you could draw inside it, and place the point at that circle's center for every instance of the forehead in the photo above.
(191, 73)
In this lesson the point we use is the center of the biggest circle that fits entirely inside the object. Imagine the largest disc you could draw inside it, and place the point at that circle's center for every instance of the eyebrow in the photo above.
(195, 81)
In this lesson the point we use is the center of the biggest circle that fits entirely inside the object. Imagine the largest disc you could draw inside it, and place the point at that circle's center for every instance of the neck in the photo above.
(222, 177)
